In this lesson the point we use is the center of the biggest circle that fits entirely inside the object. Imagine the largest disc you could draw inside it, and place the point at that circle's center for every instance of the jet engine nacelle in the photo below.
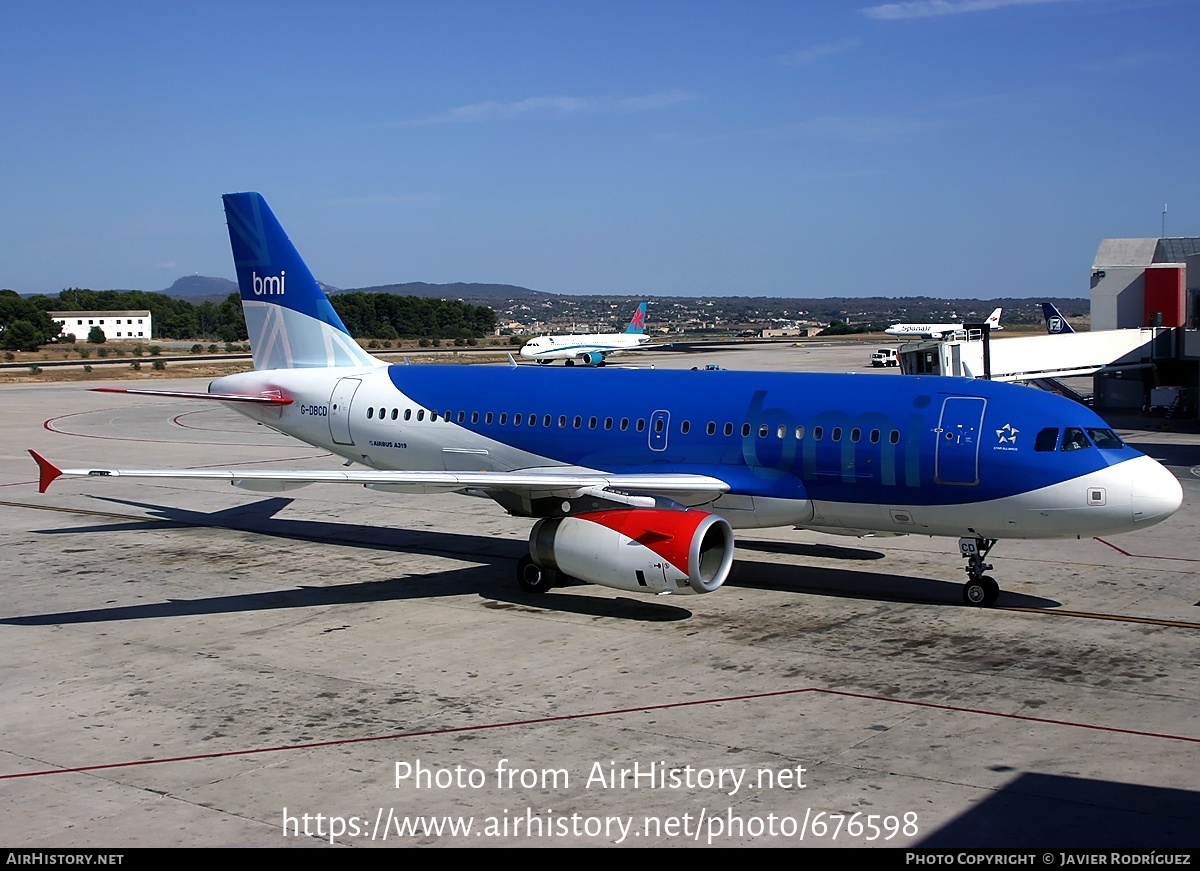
(641, 550)
(591, 358)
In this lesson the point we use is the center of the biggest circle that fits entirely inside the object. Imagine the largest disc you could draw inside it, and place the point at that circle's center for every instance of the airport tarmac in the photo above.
(189, 664)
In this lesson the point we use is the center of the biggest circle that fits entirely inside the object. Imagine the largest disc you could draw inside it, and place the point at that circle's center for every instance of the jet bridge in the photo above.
(1029, 358)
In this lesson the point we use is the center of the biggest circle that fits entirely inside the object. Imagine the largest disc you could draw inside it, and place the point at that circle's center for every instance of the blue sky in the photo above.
(700, 148)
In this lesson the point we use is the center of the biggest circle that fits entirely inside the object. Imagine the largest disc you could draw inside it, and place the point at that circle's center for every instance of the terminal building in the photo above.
(1143, 350)
(117, 326)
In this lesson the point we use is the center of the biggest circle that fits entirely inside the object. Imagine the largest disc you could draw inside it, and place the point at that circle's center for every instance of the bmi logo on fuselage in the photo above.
(269, 285)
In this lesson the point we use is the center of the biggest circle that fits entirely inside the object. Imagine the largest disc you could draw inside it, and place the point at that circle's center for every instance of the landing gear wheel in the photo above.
(980, 589)
(532, 577)
(981, 592)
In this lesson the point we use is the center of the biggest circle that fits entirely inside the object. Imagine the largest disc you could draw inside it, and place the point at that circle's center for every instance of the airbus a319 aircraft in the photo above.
(590, 349)
(937, 331)
(637, 478)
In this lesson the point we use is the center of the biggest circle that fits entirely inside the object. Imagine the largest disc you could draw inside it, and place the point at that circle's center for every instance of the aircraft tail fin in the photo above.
(1056, 324)
(994, 320)
(637, 324)
(291, 322)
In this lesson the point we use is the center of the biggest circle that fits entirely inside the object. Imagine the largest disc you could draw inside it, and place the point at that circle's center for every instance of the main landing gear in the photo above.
(532, 577)
(980, 589)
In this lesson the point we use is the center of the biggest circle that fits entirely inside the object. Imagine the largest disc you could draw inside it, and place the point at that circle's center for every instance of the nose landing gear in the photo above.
(980, 589)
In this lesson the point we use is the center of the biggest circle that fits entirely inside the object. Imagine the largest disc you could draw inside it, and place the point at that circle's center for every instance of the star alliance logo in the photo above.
(1007, 434)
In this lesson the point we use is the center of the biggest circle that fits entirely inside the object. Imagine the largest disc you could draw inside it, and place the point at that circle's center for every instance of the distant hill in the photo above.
(198, 288)
(466, 291)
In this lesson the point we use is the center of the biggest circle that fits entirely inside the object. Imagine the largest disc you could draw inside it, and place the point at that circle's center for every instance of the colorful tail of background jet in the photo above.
(1056, 324)
(637, 324)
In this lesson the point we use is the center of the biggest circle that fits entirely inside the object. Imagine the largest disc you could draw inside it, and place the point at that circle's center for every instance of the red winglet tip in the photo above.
(47, 471)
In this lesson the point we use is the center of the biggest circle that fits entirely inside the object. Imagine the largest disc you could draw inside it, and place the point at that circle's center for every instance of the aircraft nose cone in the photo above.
(1156, 493)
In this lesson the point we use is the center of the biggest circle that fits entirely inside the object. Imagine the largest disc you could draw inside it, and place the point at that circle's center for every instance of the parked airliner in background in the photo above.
(1056, 324)
(636, 477)
(590, 349)
(937, 331)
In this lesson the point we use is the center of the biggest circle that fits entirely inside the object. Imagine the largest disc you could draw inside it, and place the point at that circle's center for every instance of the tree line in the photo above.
(25, 323)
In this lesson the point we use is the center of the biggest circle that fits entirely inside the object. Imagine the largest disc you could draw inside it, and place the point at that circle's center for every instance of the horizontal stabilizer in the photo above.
(264, 399)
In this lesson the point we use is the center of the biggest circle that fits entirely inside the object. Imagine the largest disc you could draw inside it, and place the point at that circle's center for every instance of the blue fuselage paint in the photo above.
(852, 438)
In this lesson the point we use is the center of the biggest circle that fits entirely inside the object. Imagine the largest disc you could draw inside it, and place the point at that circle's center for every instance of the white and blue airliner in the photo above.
(637, 478)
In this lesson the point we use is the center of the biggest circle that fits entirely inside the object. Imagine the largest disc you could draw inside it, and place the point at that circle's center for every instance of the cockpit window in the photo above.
(1074, 439)
(1046, 439)
(1105, 439)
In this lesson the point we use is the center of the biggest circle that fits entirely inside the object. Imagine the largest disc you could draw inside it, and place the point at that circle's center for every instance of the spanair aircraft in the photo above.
(590, 349)
(1056, 324)
(635, 477)
(937, 331)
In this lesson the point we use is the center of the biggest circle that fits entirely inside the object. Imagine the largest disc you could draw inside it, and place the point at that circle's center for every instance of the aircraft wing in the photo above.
(565, 483)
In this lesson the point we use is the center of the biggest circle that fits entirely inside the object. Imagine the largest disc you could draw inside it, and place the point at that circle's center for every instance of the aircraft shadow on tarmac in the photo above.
(493, 579)
(800, 549)
(850, 584)
(1034, 810)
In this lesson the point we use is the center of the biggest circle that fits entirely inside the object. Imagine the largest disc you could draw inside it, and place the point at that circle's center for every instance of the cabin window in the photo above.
(728, 429)
(533, 420)
(711, 429)
(855, 435)
(836, 435)
(562, 421)
(578, 422)
(608, 423)
(433, 415)
(874, 436)
(763, 429)
(745, 430)
(624, 424)
(894, 437)
(408, 414)
(592, 422)
(1046, 439)
(395, 413)
(1074, 439)
(474, 417)
(503, 418)
(421, 414)
(799, 433)
(462, 415)
(370, 412)
(818, 433)
(487, 418)
(685, 427)
(548, 421)
(641, 424)
(517, 419)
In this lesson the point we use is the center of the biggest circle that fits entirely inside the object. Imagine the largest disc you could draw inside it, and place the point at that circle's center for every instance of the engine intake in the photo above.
(641, 550)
